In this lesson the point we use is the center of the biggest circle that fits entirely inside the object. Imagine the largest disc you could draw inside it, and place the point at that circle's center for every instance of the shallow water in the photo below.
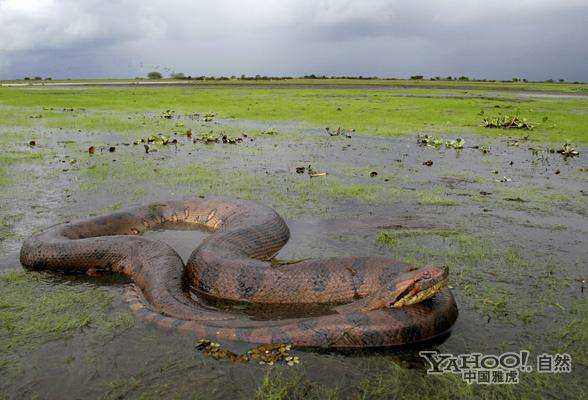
(515, 240)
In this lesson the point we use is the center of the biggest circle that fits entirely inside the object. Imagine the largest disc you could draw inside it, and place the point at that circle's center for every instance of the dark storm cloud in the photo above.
(496, 39)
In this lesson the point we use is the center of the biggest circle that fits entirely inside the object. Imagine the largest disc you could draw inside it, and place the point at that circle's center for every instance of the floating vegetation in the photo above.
(208, 117)
(270, 131)
(484, 149)
(455, 144)
(231, 139)
(208, 137)
(426, 140)
(507, 122)
(567, 150)
(157, 139)
(211, 137)
(268, 354)
(432, 141)
(168, 114)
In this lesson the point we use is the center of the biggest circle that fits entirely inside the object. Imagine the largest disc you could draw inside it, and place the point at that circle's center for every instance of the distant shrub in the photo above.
(464, 78)
(416, 77)
(154, 75)
(178, 75)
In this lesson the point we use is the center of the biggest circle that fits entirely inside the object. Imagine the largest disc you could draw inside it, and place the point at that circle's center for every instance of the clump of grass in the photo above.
(507, 122)
(277, 386)
(391, 237)
(435, 198)
(574, 334)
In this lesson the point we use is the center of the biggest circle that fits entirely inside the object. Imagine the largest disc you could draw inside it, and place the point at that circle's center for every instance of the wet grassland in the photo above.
(504, 207)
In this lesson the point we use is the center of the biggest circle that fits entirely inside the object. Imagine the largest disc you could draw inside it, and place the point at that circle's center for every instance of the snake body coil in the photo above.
(232, 263)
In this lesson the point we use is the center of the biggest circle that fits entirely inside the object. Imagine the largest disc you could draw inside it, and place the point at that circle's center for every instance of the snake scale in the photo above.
(375, 301)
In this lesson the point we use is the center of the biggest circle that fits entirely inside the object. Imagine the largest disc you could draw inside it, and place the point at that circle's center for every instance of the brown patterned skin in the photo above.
(232, 263)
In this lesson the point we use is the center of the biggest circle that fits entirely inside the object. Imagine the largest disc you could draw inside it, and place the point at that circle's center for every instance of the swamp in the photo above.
(488, 179)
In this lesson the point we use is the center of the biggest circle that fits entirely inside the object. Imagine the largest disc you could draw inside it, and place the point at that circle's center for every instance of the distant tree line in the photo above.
(182, 76)
(36, 78)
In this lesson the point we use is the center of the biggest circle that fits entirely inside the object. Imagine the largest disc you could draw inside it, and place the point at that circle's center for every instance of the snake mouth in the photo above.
(408, 297)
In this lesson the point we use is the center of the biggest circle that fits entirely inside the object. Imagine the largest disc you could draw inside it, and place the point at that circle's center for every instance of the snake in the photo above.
(368, 301)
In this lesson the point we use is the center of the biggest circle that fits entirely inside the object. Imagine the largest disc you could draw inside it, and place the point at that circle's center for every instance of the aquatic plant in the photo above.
(270, 131)
(208, 117)
(455, 144)
(507, 122)
(568, 150)
(208, 137)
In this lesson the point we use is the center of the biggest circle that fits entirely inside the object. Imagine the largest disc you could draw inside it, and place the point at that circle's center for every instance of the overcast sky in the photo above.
(536, 39)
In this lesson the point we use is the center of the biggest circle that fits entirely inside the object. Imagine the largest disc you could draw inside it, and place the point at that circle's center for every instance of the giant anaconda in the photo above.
(376, 301)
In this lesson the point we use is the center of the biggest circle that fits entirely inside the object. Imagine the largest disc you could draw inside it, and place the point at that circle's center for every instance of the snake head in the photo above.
(410, 287)
(415, 286)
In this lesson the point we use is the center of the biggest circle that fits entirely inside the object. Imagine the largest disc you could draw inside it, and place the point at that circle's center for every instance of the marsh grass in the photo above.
(574, 333)
(396, 382)
(435, 197)
(35, 309)
(384, 113)
(392, 384)
(14, 152)
(489, 276)
(286, 384)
